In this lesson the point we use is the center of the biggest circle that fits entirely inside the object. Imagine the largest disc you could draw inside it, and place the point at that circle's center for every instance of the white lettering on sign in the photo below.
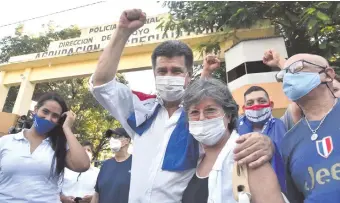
(68, 51)
(76, 42)
(145, 35)
(111, 27)
(96, 38)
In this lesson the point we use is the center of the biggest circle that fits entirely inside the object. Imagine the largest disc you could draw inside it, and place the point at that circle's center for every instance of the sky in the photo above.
(104, 12)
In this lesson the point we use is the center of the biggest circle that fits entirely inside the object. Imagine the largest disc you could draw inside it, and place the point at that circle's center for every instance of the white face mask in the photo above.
(115, 145)
(208, 132)
(170, 88)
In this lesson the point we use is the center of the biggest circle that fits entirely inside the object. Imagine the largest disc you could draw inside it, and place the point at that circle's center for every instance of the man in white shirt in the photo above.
(79, 185)
(165, 155)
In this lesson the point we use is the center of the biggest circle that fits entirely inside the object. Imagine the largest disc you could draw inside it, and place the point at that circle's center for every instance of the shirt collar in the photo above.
(20, 136)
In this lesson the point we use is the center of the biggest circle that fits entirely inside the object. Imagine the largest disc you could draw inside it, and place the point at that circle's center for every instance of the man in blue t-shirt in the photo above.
(113, 182)
(258, 118)
(311, 148)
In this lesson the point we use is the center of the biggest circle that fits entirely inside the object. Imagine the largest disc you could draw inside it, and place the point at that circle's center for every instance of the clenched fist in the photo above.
(273, 59)
(132, 20)
(210, 64)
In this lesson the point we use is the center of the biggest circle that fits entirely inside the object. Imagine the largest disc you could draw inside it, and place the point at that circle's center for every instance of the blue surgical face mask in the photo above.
(42, 126)
(298, 85)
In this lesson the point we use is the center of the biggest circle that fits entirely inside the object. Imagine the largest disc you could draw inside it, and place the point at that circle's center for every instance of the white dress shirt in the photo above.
(220, 178)
(25, 177)
(79, 184)
(149, 183)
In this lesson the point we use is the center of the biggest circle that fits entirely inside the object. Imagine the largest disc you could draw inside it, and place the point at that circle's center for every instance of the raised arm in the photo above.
(76, 158)
(129, 21)
(293, 113)
(115, 97)
(210, 64)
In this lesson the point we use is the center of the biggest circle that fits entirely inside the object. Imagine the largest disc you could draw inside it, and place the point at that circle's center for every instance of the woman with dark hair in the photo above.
(32, 161)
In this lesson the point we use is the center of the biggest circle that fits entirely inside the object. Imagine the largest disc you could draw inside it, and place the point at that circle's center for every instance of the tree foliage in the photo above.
(307, 26)
(92, 120)
(21, 43)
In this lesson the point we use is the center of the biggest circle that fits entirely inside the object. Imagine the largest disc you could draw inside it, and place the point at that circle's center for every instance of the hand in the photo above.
(253, 149)
(70, 118)
(67, 199)
(211, 63)
(132, 20)
(86, 199)
(273, 59)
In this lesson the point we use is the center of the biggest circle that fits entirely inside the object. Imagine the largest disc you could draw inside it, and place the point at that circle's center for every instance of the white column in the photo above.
(24, 98)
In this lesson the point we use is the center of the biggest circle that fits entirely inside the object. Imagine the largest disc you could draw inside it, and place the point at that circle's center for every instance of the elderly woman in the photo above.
(212, 114)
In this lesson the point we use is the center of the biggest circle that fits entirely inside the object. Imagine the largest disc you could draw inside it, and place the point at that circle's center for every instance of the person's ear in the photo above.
(35, 111)
(330, 74)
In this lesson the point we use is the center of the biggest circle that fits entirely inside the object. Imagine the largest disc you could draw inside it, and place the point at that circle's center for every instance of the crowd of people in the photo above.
(189, 140)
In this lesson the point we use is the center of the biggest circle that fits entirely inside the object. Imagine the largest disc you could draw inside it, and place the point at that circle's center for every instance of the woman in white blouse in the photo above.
(212, 114)
(32, 161)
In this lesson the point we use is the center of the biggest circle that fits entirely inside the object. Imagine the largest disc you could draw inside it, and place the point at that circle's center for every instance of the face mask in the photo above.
(298, 85)
(115, 145)
(208, 132)
(170, 88)
(258, 113)
(42, 126)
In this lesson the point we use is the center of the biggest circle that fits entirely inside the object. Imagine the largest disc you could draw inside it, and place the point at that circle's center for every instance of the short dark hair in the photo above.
(121, 132)
(87, 143)
(172, 48)
(255, 89)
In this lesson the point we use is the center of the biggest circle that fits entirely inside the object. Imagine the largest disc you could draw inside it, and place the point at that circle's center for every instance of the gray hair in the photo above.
(216, 90)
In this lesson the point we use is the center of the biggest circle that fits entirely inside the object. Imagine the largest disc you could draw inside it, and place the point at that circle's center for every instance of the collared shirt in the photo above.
(220, 177)
(149, 183)
(79, 184)
(26, 177)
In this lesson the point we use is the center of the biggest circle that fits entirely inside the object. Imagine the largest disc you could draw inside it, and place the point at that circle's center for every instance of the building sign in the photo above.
(97, 37)
(111, 27)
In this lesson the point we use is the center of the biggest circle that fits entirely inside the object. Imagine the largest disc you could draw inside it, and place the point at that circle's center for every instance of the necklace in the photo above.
(314, 134)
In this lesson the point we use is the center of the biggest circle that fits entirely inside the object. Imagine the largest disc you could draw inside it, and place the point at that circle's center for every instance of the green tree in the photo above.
(92, 119)
(307, 26)
(21, 44)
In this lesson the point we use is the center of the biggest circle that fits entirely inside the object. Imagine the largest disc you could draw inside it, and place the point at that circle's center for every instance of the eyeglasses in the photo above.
(208, 113)
(295, 67)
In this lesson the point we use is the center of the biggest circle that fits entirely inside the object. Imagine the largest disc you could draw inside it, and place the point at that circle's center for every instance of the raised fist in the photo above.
(132, 20)
(273, 59)
(211, 63)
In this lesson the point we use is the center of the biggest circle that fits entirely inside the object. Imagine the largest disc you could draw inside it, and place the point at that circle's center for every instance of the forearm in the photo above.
(95, 198)
(264, 186)
(63, 198)
(76, 159)
(281, 63)
(109, 60)
(206, 74)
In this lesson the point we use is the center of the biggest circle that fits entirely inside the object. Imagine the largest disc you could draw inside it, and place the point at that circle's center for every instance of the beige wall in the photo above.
(275, 94)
